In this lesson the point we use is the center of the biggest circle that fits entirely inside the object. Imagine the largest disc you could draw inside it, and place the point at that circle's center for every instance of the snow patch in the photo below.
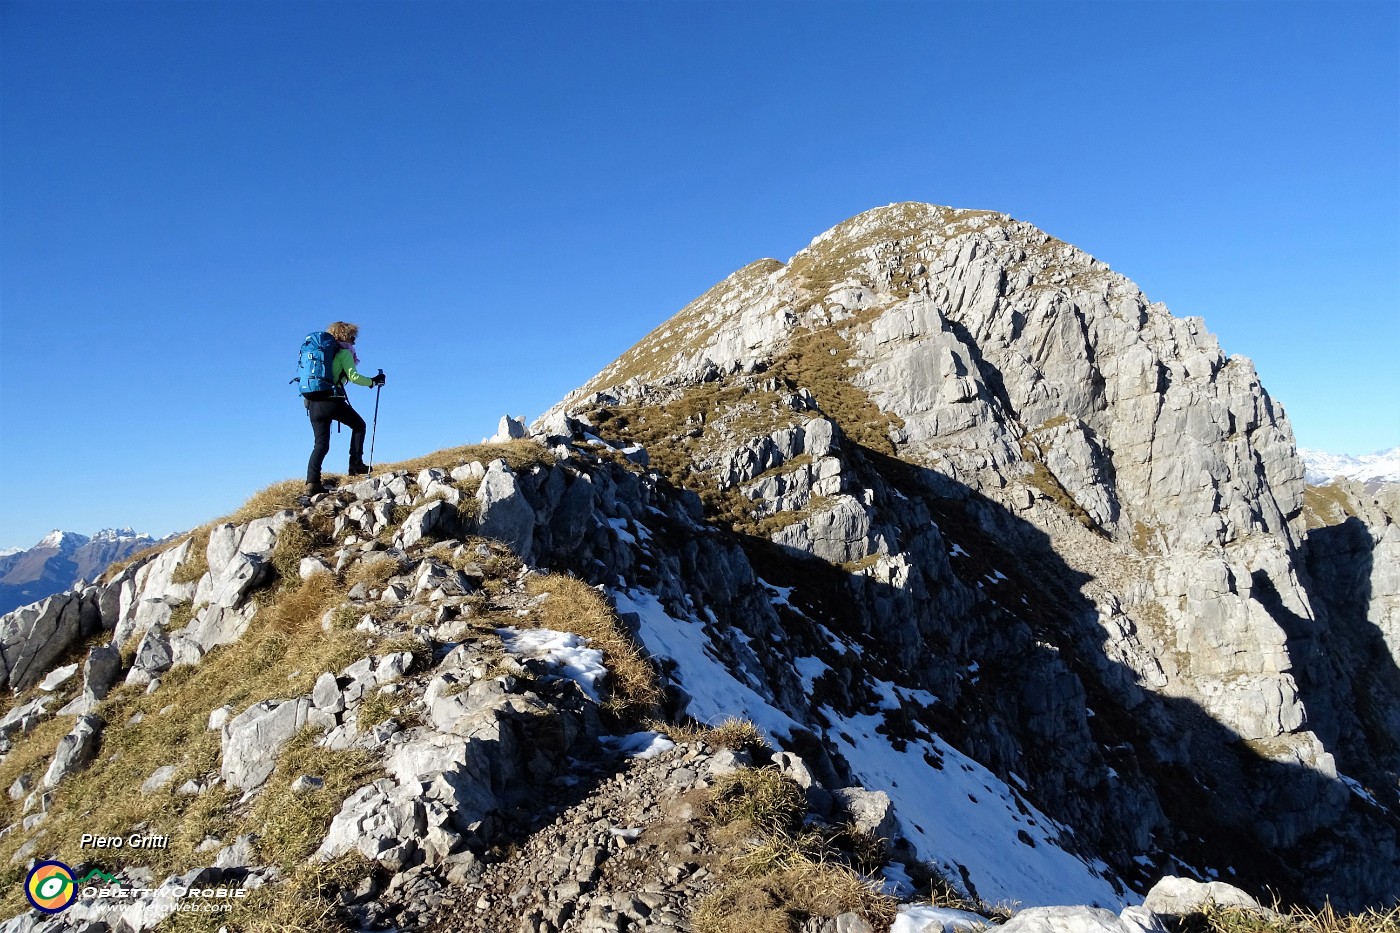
(923, 918)
(578, 662)
(619, 527)
(809, 669)
(955, 813)
(715, 694)
(958, 815)
(640, 744)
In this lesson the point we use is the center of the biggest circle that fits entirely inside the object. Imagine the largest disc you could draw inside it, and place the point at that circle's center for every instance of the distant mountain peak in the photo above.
(1383, 466)
(61, 559)
(118, 534)
(60, 539)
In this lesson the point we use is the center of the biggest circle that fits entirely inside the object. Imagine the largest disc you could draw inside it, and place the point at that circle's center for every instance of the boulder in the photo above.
(868, 810)
(837, 533)
(1182, 896)
(58, 677)
(503, 512)
(509, 429)
(153, 657)
(239, 558)
(438, 517)
(76, 750)
(312, 566)
(326, 695)
(23, 718)
(33, 637)
(158, 779)
(468, 472)
(252, 740)
(383, 821)
(236, 579)
(216, 625)
(100, 672)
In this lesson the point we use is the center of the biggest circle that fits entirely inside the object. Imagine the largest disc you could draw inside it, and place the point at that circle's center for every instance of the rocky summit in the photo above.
(933, 578)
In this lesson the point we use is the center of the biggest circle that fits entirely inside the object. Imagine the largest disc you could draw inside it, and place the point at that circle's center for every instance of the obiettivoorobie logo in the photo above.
(50, 887)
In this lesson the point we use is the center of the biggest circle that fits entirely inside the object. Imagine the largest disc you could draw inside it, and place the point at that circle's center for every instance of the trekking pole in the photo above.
(377, 389)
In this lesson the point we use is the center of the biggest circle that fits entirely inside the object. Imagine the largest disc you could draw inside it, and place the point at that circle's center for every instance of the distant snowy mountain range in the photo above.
(1380, 467)
(60, 559)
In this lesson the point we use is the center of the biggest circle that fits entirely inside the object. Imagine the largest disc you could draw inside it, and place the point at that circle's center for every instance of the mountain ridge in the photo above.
(1383, 466)
(59, 560)
(1009, 568)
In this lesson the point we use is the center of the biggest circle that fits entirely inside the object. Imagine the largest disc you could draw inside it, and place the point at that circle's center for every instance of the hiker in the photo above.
(326, 405)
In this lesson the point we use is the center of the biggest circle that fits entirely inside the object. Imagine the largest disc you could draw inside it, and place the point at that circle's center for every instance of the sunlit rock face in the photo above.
(1005, 407)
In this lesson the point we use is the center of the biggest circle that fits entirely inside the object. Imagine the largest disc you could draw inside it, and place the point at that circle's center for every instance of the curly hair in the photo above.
(343, 331)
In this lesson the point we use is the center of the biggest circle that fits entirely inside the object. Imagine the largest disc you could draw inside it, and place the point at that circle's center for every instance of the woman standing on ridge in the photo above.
(333, 405)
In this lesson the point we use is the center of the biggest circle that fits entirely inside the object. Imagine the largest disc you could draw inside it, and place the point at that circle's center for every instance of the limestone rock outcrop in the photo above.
(983, 374)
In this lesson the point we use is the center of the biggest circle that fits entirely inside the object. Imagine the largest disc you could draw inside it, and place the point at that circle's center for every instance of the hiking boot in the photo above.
(314, 489)
(358, 468)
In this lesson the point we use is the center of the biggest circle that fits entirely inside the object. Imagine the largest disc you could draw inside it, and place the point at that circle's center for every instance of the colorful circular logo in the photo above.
(50, 887)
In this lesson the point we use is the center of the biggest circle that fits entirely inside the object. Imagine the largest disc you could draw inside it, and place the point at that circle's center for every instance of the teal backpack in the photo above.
(314, 367)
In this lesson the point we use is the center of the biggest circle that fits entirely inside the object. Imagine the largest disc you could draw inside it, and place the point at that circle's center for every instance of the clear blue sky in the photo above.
(506, 196)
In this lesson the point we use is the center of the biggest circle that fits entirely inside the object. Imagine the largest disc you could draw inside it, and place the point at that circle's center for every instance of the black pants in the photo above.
(322, 412)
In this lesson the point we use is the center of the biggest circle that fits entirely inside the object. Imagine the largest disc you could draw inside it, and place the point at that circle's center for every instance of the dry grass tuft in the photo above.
(290, 826)
(775, 876)
(1215, 919)
(375, 708)
(196, 562)
(373, 573)
(743, 909)
(298, 609)
(764, 798)
(501, 565)
(777, 883)
(733, 733)
(30, 756)
(295, 541)
(520, 455)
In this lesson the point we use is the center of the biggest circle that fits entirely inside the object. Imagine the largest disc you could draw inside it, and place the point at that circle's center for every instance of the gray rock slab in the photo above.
(153, 657)
(869, 810)
(252, 740)
(503, 512)
(76, 750)
(58, 677)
